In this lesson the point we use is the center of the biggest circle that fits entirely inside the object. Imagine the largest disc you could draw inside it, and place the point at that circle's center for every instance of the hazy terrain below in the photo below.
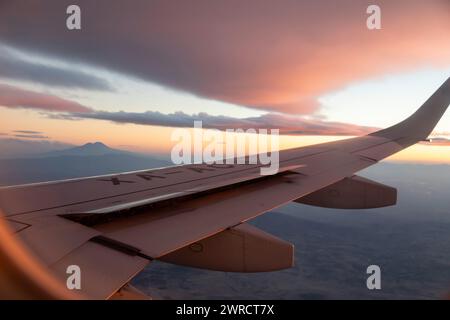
(409, 241)
(330, 263)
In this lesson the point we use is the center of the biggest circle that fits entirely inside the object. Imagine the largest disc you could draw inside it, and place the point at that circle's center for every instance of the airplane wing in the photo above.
(113, 226)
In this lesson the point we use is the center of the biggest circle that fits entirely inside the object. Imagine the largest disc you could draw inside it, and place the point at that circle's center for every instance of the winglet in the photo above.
(420, 124)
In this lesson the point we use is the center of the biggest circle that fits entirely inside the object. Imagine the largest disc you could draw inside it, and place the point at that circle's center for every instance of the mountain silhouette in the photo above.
(90, 159)
(88, 149)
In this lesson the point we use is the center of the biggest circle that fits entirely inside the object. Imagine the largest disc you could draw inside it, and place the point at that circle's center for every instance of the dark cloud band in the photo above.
(31, 136)
(13, 67)
(286, 124)
(27, 132)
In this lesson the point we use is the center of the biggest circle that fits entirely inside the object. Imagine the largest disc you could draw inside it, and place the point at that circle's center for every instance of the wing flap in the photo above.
(103, 270)
(52, 237)
(352, 193)
(243, 248)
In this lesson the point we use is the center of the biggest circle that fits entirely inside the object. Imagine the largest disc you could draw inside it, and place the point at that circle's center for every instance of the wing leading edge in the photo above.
(137, 221)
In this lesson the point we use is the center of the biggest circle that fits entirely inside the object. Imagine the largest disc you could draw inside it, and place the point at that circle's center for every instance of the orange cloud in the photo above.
(13, 97)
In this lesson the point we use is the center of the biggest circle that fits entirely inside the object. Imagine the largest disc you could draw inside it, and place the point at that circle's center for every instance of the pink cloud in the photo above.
(13, 97)
(277, 55)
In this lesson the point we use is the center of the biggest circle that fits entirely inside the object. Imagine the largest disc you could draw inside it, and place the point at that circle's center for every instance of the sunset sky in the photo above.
(130, 76)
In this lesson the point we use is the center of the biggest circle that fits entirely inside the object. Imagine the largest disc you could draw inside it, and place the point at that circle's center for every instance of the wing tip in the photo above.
(420, 124)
